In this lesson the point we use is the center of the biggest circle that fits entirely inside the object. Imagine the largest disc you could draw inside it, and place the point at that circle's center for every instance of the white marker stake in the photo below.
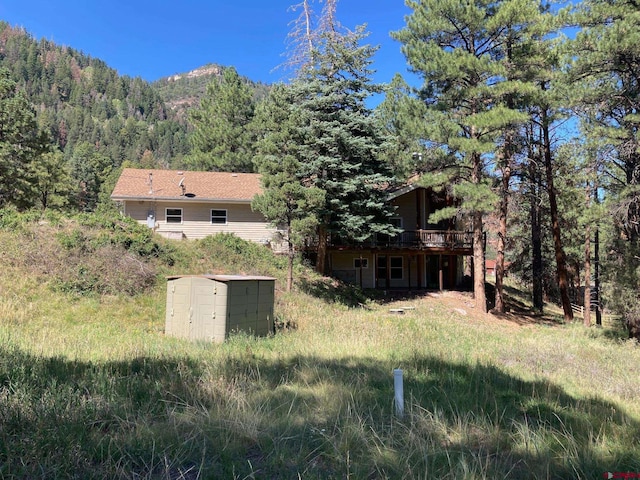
(398, 388)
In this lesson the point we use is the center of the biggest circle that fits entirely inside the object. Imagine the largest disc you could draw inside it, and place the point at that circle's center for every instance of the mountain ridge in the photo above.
(80, 99)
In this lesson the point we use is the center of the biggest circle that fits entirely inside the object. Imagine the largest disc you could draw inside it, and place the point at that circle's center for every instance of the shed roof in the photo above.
(155, 184)
(222, 278)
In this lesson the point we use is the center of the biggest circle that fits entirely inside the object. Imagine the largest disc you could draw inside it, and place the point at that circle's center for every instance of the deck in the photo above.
(428, 240)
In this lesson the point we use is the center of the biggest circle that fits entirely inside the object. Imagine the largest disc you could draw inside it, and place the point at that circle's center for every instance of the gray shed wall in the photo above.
(212, 307)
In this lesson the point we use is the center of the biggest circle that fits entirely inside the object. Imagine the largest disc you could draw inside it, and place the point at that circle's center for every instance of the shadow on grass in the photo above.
(335, 291)
(519, 310)
(249, 417)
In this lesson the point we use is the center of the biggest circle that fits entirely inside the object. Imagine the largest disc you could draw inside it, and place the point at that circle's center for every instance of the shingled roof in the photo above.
(150, 184)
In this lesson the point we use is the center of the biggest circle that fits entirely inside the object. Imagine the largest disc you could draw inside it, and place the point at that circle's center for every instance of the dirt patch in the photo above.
(463, 304)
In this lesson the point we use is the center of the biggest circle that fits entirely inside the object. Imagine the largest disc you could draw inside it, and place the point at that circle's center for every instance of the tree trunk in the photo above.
(561, 263)
(587, 277)
(502, 225)
(291, 255)
(536, 246)
(507, 159)
(536, 233)
(478, 245)
(596, 261)
(321, 260)
(587, 265)
(478, 263)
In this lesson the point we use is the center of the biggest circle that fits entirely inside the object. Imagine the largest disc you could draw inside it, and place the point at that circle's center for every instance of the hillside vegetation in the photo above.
(90, 387)
(81, 101)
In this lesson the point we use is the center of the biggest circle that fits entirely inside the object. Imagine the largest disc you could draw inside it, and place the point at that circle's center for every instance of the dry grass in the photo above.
(91, 388)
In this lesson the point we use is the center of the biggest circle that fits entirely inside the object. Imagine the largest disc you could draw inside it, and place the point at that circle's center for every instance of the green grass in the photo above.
(91, 388)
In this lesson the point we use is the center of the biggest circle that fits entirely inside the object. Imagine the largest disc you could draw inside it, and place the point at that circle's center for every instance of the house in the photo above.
(424, 255)
(184, 204)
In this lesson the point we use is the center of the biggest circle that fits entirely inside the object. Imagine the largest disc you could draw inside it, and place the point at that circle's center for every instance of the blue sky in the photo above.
(154, 39)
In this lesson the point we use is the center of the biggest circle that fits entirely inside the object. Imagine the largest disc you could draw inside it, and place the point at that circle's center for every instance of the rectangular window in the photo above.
(382, 267)
(219, 216)
(360, 263)
(173, 215)
(396, 268)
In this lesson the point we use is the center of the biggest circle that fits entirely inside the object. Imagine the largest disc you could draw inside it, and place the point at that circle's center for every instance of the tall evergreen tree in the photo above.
(52, 181)
(525, 28)
(457, 48)
(88, 168)
(21, 145)
(222, 139)
(287, 202)
(606, 59)
(342, 141)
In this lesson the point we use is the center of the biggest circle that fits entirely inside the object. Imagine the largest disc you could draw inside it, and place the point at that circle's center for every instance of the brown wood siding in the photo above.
(406, 209)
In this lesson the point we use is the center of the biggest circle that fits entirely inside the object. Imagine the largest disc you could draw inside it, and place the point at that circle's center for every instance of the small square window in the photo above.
(219, 216)
(173, 215)
(360, 263)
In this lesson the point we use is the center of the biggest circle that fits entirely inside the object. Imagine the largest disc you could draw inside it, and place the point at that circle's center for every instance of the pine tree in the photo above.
(526, 27)
(52, 181)
(21, 145)
(458, 49)
(222, 139)
(88, 168)
(606, 61)
(287, 202)
(342, 141)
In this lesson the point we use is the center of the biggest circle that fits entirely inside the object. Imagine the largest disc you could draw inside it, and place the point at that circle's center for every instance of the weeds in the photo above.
(91, 388)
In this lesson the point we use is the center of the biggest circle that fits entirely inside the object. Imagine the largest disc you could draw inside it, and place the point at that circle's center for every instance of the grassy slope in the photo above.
(91, 388)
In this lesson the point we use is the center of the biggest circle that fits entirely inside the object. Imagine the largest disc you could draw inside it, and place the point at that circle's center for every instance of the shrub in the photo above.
(107, 270)
(84, 254)
(238, 254)
(114, 229)
(11, 219)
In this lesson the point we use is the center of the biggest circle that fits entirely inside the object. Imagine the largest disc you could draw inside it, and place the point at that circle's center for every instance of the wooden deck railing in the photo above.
(420, 239)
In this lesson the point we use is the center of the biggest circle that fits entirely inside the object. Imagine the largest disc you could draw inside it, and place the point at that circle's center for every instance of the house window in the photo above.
(219, 216)
(396, 268)
(173, 215)
(360, 263)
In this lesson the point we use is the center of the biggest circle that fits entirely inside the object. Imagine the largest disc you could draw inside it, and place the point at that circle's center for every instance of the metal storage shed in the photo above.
(210, 307)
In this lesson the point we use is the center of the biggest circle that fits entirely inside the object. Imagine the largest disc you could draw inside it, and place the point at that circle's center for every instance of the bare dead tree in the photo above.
(307, 31)
(302, 37)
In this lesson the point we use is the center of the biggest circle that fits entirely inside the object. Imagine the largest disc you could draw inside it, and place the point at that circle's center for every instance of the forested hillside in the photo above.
(80, 100)
(93, 119)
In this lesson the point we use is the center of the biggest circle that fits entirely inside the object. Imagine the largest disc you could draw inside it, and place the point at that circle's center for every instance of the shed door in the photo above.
(180, 307)
(203, 310)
